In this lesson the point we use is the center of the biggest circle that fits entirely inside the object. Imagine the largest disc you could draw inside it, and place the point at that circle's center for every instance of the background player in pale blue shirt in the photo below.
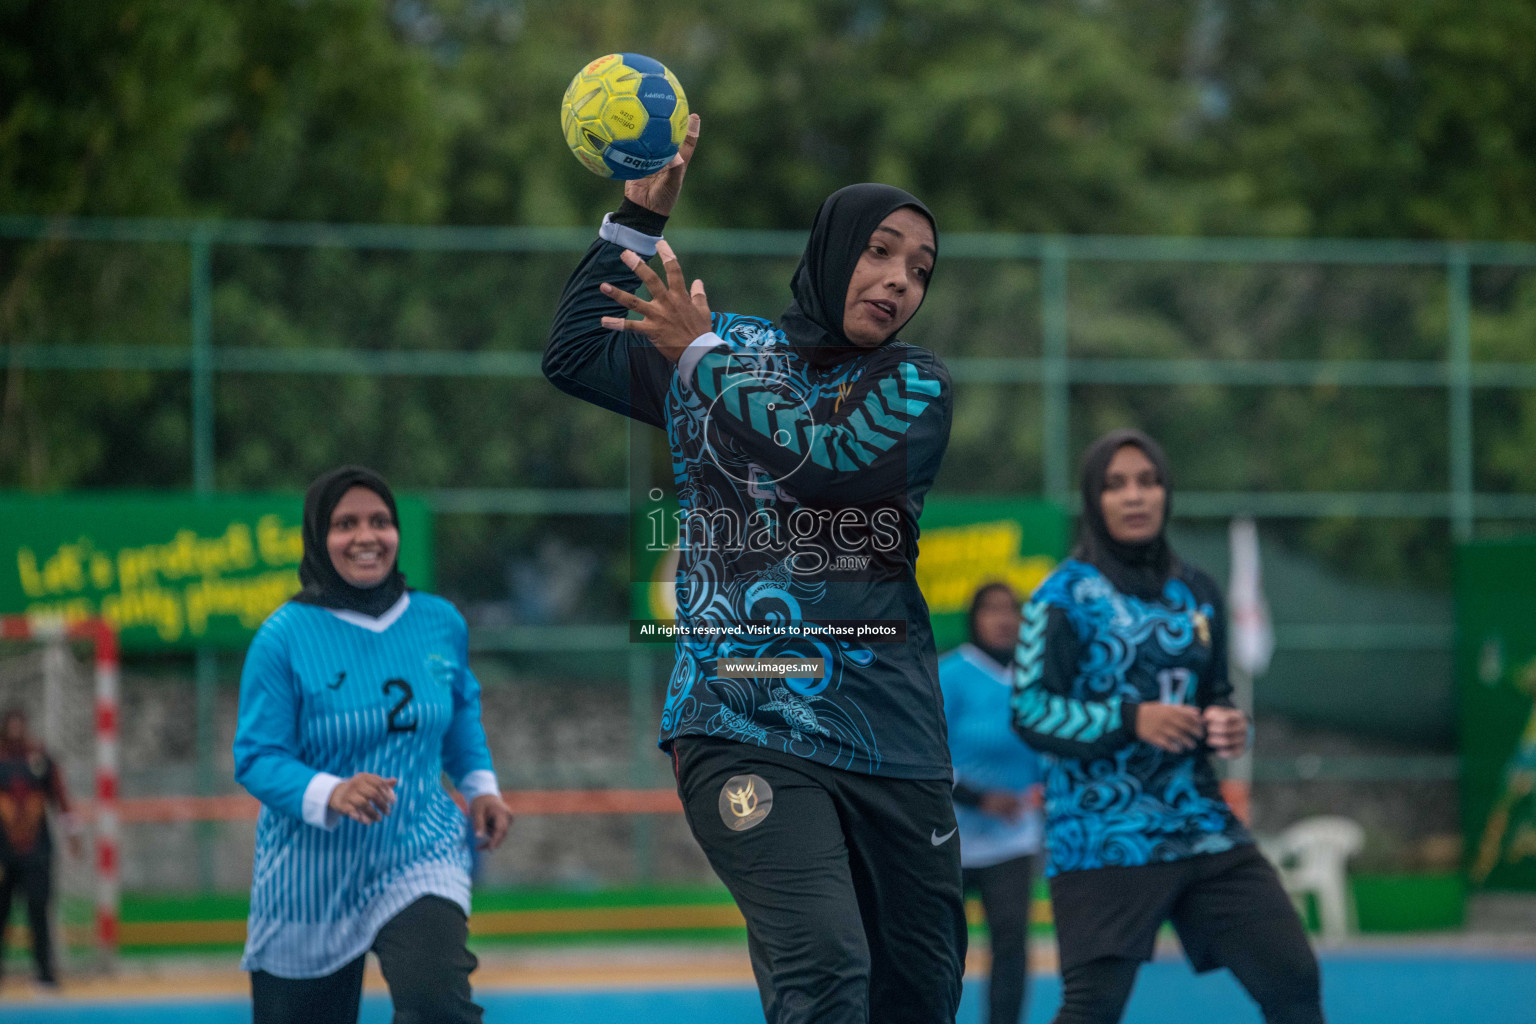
(997, 794)
(356, 697)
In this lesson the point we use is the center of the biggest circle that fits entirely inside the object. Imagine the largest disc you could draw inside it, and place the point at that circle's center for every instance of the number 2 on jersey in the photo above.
(395, 725)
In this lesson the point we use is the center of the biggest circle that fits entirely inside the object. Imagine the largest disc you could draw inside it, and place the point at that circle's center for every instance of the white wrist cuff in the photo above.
(629, 238)
(480, 782)
(317, 801)
(688, 362)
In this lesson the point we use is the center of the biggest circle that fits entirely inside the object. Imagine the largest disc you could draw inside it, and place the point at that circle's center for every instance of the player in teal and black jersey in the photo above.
(1120, 682)
(802, 450)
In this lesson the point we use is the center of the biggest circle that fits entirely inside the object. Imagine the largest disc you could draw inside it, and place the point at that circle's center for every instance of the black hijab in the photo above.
(322, 584)
(813, 323)
(1002, 655)
(1136, 569)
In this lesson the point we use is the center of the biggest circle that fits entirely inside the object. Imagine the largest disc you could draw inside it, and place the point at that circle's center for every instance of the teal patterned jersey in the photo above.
(1088, 656)
(800, 489)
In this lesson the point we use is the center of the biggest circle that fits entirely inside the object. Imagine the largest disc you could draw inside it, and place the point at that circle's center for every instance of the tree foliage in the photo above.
(1367, 118)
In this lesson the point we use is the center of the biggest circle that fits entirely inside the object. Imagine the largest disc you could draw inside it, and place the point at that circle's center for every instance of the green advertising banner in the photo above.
(965, 543)
(1496, 683)
(169, 571)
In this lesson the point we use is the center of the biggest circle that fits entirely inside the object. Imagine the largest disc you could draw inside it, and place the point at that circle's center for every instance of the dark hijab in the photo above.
(322, 584)
(1136, 569)
(1002, 655)
(813, 323)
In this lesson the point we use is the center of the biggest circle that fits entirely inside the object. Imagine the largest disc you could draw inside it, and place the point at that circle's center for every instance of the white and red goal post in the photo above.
(103, 810)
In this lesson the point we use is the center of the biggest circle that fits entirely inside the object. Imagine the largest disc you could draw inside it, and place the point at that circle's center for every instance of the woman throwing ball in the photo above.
(1121, 682)
(356, 697)
(802, 451)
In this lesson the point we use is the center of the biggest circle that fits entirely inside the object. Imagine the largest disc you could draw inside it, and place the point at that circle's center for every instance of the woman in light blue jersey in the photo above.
(355, 698)
(997, 791)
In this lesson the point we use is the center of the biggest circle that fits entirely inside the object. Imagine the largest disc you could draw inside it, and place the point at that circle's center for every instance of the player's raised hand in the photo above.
(1175, 728)
(1226, 730)
(365, 797)
(491, 819)
(658, 192)
(674, 315)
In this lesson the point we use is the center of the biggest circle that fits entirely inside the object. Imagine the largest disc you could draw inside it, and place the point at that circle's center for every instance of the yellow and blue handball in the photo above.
(624, 116)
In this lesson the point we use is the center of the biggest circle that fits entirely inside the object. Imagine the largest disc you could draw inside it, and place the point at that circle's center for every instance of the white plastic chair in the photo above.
(1312, 856)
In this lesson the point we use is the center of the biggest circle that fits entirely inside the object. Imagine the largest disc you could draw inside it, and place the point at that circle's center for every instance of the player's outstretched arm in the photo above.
(614, 370)
(617, 370)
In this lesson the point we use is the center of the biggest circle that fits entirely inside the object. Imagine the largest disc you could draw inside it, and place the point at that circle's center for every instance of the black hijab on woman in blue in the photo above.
(1002, 655)
(1141, 569)
(322, 584)
(813, 323)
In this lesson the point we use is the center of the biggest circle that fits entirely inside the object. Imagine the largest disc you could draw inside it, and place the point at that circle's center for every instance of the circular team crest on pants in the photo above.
(745, 800)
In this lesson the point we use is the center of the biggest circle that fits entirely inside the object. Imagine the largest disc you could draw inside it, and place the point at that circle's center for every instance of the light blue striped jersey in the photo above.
(987, 755)
(327, 694)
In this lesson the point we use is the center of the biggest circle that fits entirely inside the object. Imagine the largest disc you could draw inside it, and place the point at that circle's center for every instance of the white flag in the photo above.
(1252, 636)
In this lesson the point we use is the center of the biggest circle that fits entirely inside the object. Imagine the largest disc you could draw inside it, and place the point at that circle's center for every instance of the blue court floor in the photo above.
(1422, 987)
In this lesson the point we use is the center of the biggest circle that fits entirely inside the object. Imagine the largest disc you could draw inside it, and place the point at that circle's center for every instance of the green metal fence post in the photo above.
(643, 727)
(203, 481)
(642, 720)
(207, 697)
(202, 362)
(1055, 434)
(1459, 381)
